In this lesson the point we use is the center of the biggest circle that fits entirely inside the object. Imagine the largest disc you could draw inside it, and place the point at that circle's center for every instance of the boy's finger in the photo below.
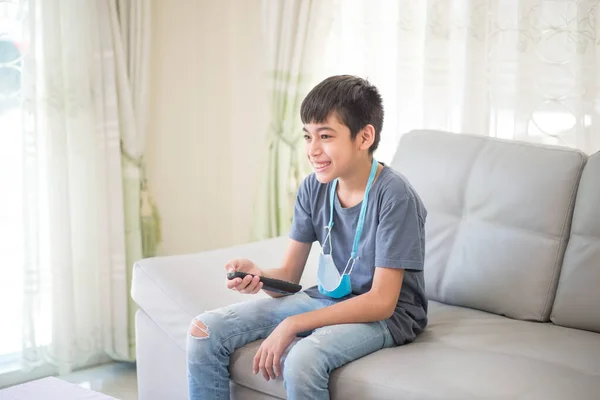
(262, 365)
(243, 286)
(231, 266)
(277, 364)
(258, 288)
(256, 360)
(269, 366)
(251, 288)
(232, 284)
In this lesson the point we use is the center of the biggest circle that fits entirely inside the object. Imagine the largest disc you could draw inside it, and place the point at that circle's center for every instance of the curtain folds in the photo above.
(87, 210)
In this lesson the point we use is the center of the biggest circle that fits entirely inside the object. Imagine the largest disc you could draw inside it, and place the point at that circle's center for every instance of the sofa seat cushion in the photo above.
(463, 354)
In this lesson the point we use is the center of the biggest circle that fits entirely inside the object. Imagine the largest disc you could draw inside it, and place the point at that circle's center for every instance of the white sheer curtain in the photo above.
(526, 70)
(75, 299)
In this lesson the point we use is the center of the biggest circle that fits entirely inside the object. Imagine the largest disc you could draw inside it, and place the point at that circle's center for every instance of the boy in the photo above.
(370, 293)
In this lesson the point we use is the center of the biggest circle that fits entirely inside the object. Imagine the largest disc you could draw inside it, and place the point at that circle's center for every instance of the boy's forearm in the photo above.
(292, 265)
(368, 307)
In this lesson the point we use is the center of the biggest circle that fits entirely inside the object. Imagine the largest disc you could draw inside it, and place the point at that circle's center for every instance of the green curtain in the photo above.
(285, 164)
(142, 227)
(131, 29)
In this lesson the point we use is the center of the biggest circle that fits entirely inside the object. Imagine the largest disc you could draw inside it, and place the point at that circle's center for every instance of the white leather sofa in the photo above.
(512, 273)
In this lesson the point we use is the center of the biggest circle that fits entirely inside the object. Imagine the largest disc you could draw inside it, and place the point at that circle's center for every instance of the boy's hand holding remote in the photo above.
(248, 285)
(245, 277)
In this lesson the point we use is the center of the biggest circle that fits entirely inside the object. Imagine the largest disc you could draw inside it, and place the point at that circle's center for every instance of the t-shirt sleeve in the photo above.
(302, 227)
(400, 237)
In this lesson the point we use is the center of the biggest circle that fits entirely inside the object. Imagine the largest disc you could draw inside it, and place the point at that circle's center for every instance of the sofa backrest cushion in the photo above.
(577, 303)
(498, 220)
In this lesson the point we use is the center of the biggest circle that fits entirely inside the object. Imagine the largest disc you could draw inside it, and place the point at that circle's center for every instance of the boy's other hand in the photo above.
(268, 357)
(248, 285)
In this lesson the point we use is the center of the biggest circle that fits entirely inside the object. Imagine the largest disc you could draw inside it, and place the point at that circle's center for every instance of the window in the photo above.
(12, 49)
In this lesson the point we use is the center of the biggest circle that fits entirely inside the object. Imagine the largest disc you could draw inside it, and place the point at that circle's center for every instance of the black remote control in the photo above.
(272, 285)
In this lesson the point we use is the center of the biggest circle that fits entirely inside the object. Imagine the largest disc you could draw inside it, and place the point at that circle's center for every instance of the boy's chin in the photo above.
(324, 178)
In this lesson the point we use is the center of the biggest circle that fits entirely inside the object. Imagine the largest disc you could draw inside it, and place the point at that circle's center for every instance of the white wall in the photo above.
(207, 121)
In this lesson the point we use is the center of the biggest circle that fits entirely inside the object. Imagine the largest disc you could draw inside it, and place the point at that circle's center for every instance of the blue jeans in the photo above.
(305, 367)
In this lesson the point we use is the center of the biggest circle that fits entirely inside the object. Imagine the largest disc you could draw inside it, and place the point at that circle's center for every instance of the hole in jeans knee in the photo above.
(199, 330)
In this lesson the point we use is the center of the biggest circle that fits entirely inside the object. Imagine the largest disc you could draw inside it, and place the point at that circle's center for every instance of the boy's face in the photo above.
(330, 149)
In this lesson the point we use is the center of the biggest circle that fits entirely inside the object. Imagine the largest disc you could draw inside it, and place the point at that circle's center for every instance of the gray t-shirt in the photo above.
(393, 237)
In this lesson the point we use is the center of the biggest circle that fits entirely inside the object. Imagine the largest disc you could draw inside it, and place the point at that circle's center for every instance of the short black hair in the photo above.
(355, 101)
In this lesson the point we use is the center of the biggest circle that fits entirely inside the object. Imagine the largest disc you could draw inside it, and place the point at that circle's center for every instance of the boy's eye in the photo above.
(306, 137)
(325, 136)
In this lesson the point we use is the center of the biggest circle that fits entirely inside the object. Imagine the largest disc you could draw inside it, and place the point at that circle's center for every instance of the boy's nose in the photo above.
(314, 148)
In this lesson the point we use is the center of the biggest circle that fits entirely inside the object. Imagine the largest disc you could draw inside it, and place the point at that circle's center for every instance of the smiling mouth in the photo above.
(321, 166)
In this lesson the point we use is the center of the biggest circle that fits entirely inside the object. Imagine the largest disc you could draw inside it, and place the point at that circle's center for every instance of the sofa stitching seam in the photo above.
(557, 265)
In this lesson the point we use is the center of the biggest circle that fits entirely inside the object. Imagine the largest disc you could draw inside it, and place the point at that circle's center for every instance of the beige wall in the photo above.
(207, 121)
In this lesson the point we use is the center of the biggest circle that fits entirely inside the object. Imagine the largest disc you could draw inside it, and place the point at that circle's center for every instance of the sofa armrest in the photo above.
(174, 289)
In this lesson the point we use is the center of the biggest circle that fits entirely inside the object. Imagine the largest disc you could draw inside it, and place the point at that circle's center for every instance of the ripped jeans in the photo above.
(305, 366)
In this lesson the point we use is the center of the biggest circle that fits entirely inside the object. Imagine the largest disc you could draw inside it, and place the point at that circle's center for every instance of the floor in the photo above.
(116, 380)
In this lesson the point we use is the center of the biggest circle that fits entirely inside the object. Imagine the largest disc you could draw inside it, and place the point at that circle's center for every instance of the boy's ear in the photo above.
(366, 137)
